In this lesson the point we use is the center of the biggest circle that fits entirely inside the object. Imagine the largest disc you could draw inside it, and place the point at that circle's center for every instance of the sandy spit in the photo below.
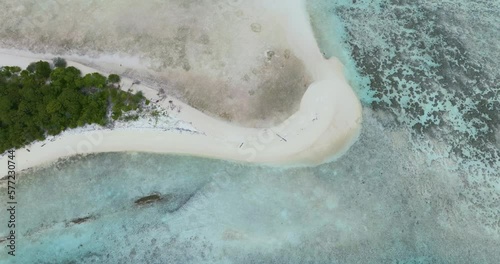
(326, 125)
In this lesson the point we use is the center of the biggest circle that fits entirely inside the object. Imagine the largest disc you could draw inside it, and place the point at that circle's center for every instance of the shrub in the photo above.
(59, 62)
(31, 67)
(114, 78)
(42, 69)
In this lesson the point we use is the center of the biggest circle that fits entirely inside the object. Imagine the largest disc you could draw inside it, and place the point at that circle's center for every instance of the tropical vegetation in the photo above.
(46, 99)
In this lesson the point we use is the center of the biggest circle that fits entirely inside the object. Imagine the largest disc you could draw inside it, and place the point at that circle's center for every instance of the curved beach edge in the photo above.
(326, 125)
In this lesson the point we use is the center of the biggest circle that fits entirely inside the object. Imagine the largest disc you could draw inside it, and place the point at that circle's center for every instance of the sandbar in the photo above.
(325, 126)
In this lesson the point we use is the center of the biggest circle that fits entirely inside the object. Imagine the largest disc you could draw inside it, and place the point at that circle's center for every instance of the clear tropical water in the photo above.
(422, 184)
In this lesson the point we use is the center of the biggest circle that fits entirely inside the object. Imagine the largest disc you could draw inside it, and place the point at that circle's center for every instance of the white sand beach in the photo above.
(327, 123)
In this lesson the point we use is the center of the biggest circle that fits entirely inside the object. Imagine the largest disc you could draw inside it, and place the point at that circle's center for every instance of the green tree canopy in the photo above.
(59, 62)
(39, 101)
(113, 78)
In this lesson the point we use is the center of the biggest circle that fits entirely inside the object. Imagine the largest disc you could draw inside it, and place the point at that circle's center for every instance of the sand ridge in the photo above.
(327, 123)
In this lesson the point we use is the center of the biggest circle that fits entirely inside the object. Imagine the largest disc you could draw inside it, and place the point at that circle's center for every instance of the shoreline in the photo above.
(326, 125)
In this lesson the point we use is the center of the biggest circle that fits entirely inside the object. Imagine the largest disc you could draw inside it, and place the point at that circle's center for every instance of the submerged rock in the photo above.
(148, 199)
(80, 220)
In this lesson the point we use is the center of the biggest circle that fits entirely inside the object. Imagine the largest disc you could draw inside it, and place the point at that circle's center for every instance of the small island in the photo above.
(45, 99)
(326, 122)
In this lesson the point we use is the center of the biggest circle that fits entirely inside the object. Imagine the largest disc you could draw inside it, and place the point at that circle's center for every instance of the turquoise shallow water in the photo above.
(420, 186)
(380, 203)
